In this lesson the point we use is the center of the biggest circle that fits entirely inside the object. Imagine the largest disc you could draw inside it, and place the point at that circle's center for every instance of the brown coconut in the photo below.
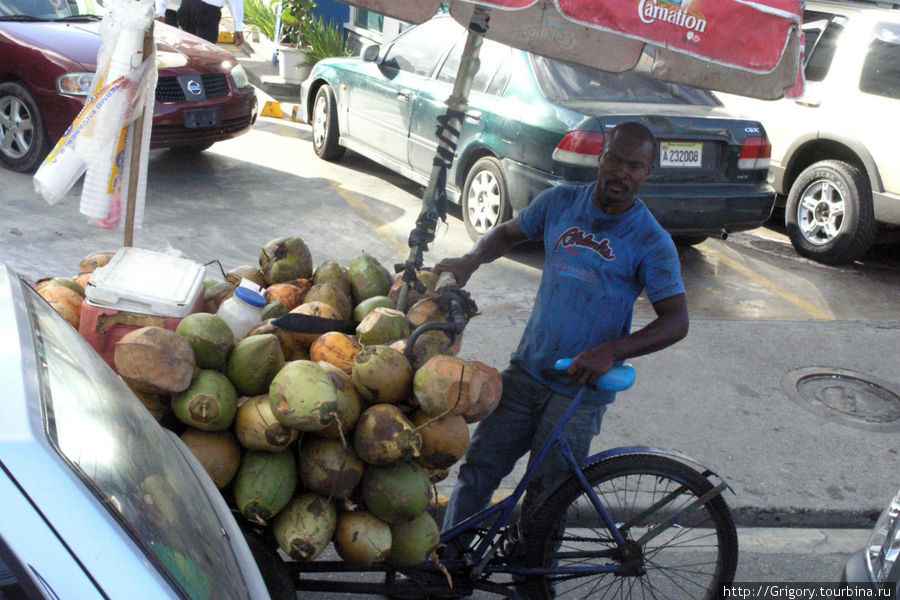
(158, 406)
(424, 311)
(66, 313)
(444, 439)
(489, 395)
(93, 260)
(382, 326)
(218, 452)
(384, 435)
(63, 281)
(446, 385)
(328, 467)
(336, 348)
(257, 428)
(250, 273)
(349, 404)
(155, 360)
(314, 309)
(361, 538)
(430, 344)
(63, 295)
(217, 292)
(331, 295)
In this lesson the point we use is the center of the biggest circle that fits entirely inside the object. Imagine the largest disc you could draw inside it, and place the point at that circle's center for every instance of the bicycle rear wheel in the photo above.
(689, 560)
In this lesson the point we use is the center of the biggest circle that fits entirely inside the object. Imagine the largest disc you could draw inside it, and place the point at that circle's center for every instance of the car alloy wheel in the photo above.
(485, 197)
(325, 126)
(820, 212)
(16, 128)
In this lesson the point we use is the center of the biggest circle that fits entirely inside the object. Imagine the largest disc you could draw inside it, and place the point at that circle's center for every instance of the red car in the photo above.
(48, 54)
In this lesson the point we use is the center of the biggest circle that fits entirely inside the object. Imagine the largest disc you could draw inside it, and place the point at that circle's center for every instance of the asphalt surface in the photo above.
(726, 395)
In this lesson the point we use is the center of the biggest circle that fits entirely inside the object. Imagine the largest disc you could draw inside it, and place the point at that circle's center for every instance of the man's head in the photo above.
(626, 161)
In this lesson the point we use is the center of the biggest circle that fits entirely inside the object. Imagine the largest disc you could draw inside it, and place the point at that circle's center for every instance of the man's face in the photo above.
(624, 165)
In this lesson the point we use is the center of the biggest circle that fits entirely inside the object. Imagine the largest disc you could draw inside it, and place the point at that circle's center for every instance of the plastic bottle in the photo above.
(242, 311)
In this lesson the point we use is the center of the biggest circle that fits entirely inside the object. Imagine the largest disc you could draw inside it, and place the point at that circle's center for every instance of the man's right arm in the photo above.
(490, 247)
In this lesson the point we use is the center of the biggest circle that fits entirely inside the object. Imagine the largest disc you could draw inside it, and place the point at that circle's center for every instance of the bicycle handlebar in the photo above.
(617, 379)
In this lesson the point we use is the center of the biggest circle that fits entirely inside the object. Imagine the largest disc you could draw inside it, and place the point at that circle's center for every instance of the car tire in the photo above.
(485, 197)
(23, 135)
(689, 240)
(277, 578)
(324, 123)
(829, 214)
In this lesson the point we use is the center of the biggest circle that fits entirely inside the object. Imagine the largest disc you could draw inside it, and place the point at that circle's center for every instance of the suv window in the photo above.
(418, 49)
(881, 67)
(492, 56)
(820, 51)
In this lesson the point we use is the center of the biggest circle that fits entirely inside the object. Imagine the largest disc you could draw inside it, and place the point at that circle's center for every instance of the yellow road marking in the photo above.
(794, 299)
(386, 234)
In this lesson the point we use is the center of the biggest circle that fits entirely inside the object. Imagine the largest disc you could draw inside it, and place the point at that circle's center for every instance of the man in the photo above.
(201, 17)
(603, 248)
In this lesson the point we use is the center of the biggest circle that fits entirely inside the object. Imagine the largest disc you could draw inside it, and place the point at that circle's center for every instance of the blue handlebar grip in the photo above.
(617, 379)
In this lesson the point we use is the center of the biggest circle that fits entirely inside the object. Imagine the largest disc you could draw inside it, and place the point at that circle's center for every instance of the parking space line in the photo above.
(383, 231)
(773, 287)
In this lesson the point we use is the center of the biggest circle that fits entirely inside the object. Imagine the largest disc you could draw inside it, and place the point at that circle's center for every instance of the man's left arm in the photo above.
(670, 325)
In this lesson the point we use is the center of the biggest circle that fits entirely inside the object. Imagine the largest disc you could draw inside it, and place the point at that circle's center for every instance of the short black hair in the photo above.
(638, 131)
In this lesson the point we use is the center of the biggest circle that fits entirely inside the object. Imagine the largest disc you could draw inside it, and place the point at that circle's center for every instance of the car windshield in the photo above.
(51, 10)
(567, 83)
(130, 462)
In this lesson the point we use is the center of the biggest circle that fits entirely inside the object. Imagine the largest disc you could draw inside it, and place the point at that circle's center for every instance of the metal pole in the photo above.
(449, 125)
(135, 140)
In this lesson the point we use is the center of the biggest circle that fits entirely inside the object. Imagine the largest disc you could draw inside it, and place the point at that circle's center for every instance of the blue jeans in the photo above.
(522, 422)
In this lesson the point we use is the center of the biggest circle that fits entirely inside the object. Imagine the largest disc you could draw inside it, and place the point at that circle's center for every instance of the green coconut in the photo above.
(264, 484)
(367, 305)
(218, 452)
(257, 428)
(185, 570)
(333, 273)
(397, 492)
(349, 404)
(368, 278)
(285, 258)
(430, 344)
(304, 528)
(328, 467)
(382, 375)
(209, 403)
(382, 326)
(303, 396)
(331, 295)
(383, 435)
(273, 310)
(254, 362)
(361, 538)
(413, 541)
(210, 337)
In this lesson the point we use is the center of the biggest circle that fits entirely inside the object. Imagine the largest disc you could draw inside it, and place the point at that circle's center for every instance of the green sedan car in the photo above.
(533, 123)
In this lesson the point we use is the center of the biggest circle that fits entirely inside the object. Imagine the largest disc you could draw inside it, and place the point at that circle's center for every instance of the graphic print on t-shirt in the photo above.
(574, 241)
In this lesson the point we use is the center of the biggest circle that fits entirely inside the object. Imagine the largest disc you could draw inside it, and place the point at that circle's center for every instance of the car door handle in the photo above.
(473, 115)
(404, 95)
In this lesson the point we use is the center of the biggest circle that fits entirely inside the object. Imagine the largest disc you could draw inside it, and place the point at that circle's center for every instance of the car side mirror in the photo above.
(370, 52)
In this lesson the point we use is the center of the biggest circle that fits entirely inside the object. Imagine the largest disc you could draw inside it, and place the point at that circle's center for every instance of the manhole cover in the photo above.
(845, 397)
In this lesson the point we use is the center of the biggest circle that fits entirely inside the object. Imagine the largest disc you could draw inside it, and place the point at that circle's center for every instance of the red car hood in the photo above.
(80, 42)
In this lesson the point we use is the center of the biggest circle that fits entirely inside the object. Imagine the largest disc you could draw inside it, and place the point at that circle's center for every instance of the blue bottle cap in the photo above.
(250, 297)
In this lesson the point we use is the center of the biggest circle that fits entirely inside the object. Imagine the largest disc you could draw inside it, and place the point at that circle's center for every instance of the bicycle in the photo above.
(629, 522)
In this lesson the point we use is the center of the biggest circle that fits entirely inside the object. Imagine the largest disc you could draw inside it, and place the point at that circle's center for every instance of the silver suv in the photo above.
(834, 150)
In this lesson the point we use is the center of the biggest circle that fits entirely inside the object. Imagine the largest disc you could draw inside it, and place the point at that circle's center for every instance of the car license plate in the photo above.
(202, 117)
(681, 154)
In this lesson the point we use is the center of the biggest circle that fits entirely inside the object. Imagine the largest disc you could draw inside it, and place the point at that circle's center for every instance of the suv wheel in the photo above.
(829, 215)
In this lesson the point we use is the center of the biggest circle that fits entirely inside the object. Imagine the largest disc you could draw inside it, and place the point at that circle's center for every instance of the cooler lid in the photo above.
(143, 281)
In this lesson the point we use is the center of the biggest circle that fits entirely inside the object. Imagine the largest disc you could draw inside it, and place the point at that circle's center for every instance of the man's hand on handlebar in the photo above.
(461, 268)
(588, 366)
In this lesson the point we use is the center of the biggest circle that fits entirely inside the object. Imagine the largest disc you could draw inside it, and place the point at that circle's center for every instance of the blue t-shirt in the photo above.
(596, 265)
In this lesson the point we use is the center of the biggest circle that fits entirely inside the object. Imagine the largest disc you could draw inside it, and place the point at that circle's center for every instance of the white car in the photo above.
(834, 153)
(98, 500)
(877, 563)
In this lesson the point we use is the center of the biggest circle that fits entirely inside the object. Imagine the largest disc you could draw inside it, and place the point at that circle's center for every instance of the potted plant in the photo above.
(323, 39)
(294, 61)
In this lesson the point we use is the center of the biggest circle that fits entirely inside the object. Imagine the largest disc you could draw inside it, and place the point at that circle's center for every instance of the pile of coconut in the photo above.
(321, 437)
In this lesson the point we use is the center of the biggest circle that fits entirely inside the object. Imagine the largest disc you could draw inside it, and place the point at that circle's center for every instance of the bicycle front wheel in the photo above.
(689, 559)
